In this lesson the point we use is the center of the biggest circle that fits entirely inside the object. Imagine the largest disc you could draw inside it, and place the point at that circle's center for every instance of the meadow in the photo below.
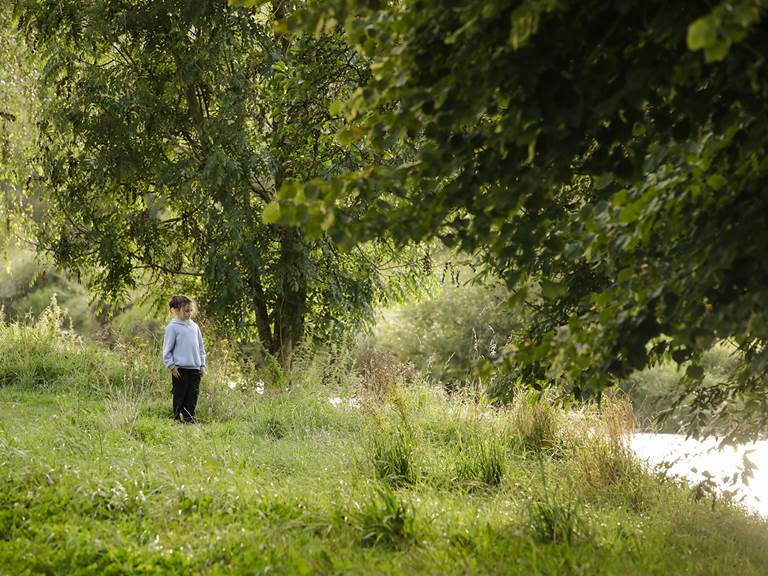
(328, 469)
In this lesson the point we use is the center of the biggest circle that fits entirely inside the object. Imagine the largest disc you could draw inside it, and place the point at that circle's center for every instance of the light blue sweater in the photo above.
(183, 345)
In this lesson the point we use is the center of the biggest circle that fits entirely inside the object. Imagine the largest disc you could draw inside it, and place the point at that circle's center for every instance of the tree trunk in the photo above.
(259, 302)
(291, 305)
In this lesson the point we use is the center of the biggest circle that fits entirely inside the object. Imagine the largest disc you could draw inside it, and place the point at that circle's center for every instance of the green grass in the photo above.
(95, 478)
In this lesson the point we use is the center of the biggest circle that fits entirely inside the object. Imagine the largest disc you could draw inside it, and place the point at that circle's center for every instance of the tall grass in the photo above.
(535, 423)
(386, 519)
(125, 402)
(392, 455)
(605, 457)
(482, 460)
(556, 520)
(96, 478)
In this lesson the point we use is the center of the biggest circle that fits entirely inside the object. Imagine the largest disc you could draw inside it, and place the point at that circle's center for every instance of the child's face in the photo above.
(184, 312)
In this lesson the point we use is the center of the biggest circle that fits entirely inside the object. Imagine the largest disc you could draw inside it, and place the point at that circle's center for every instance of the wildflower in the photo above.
(259, 387)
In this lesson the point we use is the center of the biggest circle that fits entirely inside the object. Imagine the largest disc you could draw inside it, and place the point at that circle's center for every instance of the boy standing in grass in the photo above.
(184, 355)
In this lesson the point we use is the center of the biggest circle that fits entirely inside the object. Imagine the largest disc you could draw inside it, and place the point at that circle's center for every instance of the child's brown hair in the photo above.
(180, 300)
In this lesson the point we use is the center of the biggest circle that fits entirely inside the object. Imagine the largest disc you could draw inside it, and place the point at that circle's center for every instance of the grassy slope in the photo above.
(95, 479)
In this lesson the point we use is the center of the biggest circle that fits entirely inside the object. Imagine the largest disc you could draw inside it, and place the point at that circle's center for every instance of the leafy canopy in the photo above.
(168, 128)
(611, 155)
(18, 112)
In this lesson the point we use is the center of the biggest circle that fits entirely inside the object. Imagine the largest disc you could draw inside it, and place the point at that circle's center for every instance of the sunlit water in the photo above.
(693, 459)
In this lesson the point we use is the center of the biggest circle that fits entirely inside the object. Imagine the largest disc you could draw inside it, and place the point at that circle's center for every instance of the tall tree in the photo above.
(170, 126)
(612, 153)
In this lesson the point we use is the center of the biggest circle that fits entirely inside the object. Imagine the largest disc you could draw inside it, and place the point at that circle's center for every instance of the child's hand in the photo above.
(175, 372)
(202, 371)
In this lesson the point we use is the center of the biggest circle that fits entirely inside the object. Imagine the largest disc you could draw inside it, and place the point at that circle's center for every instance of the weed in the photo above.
(553, 521)
(604, 457)
(275, 428)
(392, 455)
(381, 371)
(534, 422)
(385, 519)
(481, 460)
(125, 403)
(147, 431)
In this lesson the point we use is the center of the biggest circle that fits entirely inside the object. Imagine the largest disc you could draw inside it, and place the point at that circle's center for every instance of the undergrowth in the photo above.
(327, 475)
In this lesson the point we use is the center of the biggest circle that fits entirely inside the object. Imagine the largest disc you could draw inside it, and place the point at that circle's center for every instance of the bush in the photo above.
(137, 324)
(42, 355)
(27, 287)
(652, 389)
(443, 337)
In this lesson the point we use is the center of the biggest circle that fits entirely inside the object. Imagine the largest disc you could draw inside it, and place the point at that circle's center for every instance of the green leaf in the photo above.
(695, 372)
(626, 274)
(551, 290)
(630, 212)
(271, 213)
(716, 181)
(701, 34)
(335, 107)
(717, 51)
(345, 137)
(328, 221)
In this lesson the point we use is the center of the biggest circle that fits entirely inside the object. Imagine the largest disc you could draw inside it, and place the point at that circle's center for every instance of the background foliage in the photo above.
(166, 129)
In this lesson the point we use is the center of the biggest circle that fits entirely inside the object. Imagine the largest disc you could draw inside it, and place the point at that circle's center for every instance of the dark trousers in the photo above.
(185, 392)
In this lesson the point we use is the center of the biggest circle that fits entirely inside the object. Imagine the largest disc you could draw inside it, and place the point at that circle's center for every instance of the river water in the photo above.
(694, 459)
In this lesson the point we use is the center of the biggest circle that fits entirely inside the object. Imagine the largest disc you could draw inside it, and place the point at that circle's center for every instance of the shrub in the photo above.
(27, 287)
(446, 335)
(41, 354)
(313, 364)
(137, 324)
(653, 389)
